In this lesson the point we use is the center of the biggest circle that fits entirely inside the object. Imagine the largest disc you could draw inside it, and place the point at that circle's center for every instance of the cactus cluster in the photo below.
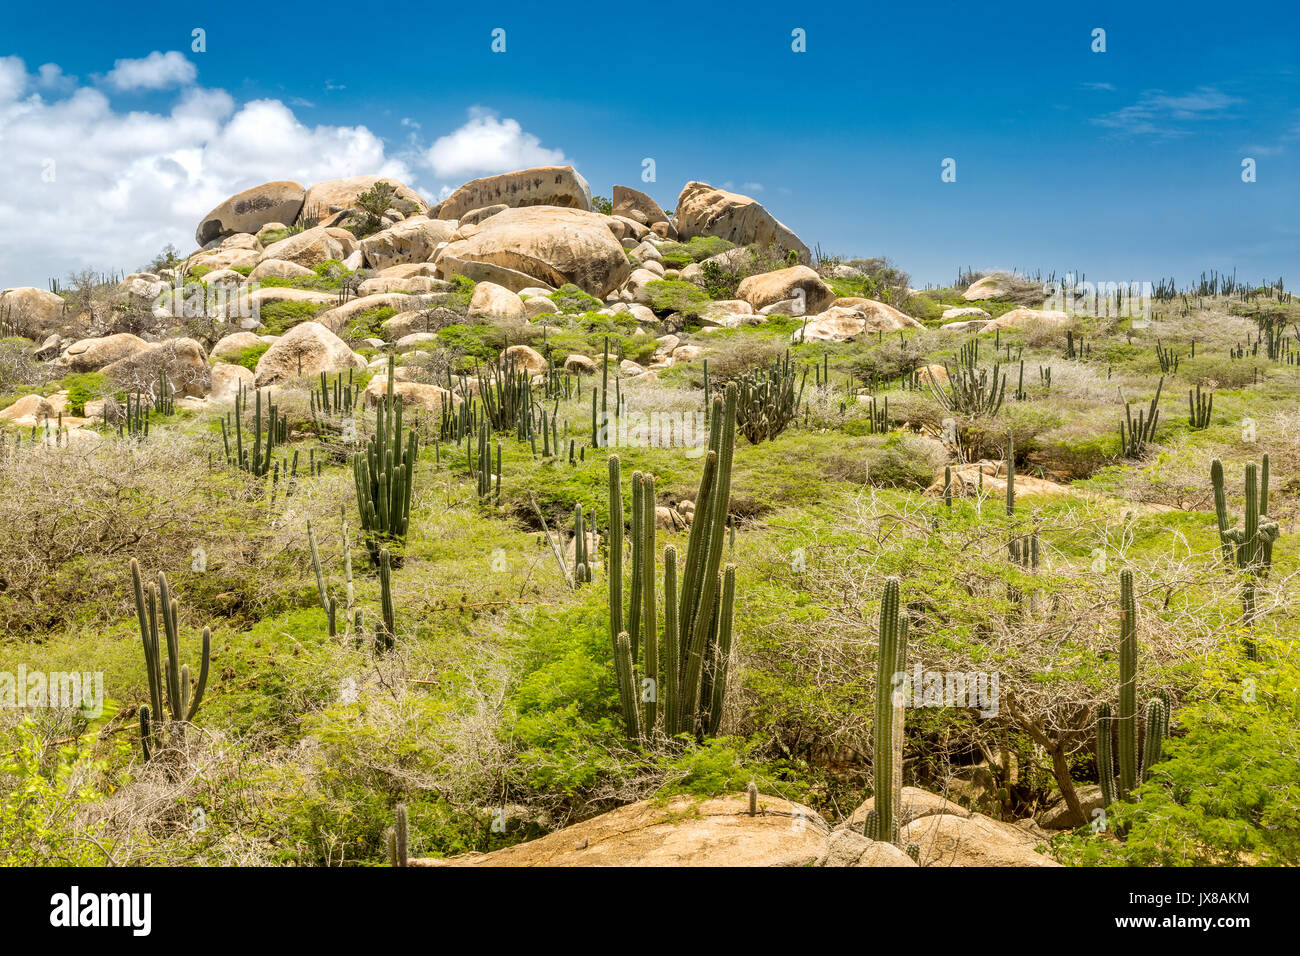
(688, 673)
(767, 400)
(1120, 732)
(384, 475)
(1199, 408)
(256, 460)
(1249, 548)
(169, 680)
(1136, 433)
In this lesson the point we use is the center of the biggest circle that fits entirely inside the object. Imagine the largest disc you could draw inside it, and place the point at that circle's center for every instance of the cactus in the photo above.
(1199, 409)
(257, 460)
(971, 391)
(169, 682)
(1134, 764)
(689, 673)
(766, 400)
(398, 837)
(1250, 547)
(947, 486)
(1168, 360)
(386, 629)
(384, 474)
(1135, 434)
(1011, 477)
(752, 792)
(887, 757)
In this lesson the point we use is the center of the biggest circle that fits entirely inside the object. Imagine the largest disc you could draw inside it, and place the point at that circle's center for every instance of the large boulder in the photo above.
(491, 301)
(431, 398)
(850, 848)
(307, 349)
(637, 206)
(236, 342)
(840, 323)
(278, 269)
(91, 355)
(799, 283)
(678, 832)
(545, 245)
(946, 839)
(525, 358)
(340, 195)
(406, 242)
(29, 406)
(703, 210)
(227, 380)
(540, 186)
(990, 287)
(880, 317)
(252, 209)
(32, 312)
(308, 248)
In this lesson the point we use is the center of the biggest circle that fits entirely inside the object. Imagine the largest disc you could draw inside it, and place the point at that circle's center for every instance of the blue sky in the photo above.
(1122, 165)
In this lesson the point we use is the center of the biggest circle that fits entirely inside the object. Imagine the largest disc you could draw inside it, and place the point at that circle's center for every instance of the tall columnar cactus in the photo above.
(1199, 408)
(1250, 547)
(1011, 476)
(169, 681)
(385, 474)
(1134, 761)
(688, 672)
(386, 629)
(887, 756)
(398, 838)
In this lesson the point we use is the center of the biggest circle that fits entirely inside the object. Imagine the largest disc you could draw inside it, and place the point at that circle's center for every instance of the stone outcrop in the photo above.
(249, 211)
(703, 210)
(539, 186)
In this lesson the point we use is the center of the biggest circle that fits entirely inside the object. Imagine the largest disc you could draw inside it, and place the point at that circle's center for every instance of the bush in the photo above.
(568, 298)
(677, 255)
(280, 317)
(84, 387)
(674, 295)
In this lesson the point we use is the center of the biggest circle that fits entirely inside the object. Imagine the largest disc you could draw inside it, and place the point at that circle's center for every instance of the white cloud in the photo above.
(126, 184)
(157, 71)
(1157, 113)
(487, 145)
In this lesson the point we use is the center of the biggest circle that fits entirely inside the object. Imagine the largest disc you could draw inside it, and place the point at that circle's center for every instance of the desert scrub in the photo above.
(677, 255)
(84, 387)
(280, 317)
(368, 324)
(569, 298)
(248, 357)
(674, 295)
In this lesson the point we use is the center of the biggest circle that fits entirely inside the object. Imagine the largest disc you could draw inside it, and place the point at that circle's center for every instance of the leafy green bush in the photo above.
(84, 387)
(674, 295)
(676, 255)
(568, 298)
(248, 357)
(280, 317)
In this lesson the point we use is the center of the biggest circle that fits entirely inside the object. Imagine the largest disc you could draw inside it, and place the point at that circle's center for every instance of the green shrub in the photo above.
(280, 317)
(676, 255)
(84, 387)
(248, 357)
(674, 295)
(568, 298)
